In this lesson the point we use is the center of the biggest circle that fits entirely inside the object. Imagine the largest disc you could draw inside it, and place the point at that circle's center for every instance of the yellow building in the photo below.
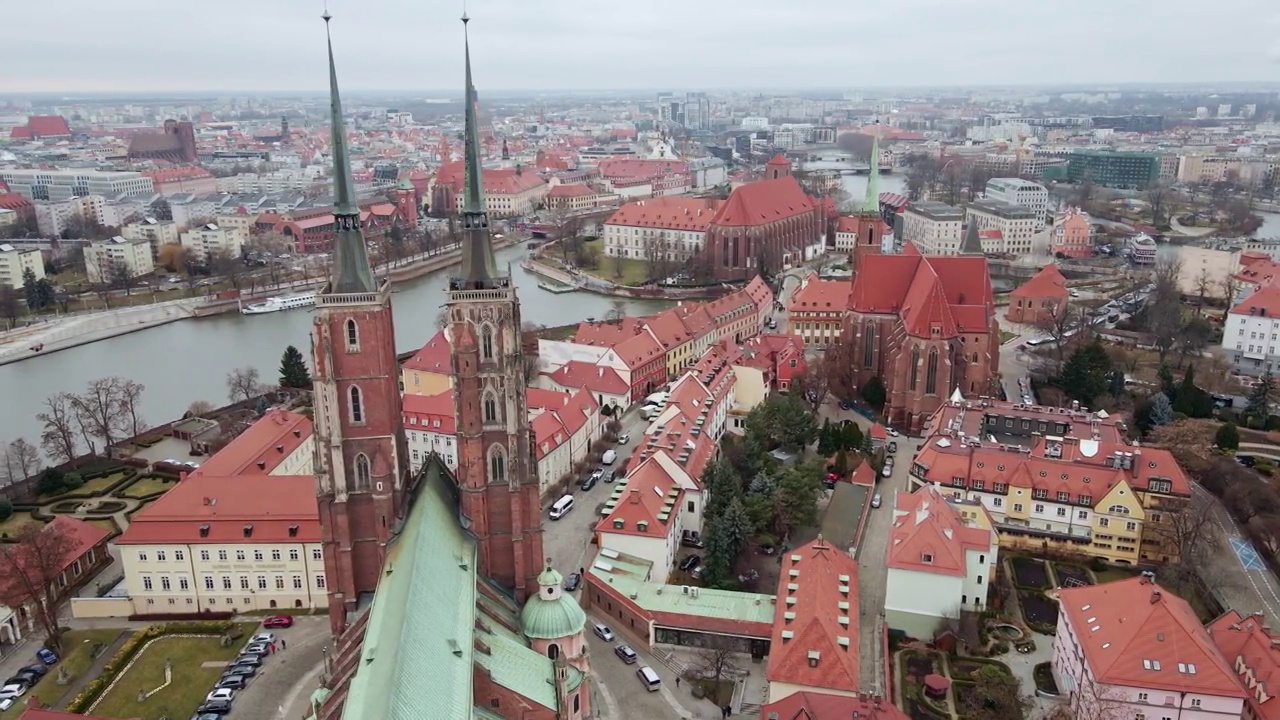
(429, 371)
(226, 544)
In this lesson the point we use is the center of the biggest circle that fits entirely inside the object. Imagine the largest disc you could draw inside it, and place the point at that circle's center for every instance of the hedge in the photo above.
(96, 687)
(130, 474)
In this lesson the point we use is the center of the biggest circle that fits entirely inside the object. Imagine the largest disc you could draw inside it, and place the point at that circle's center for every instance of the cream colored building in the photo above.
(14, 262)
(156, 232)
(1016, 225)
(226, 544)
(208, 240)
(1206, 267)
(235, 221)
(933, 227)
(101, 258)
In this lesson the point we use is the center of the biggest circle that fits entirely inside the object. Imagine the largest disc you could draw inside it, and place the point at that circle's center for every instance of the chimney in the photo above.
(635, 496)
(1155, 596)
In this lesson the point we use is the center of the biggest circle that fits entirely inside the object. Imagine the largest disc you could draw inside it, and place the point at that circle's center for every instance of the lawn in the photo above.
(96, 486)
(11, 527)
(148, 485)
(191, 682)
(1029, 572)
(1112, 573)
(1006, 336)
(634, 272)
(76, 660)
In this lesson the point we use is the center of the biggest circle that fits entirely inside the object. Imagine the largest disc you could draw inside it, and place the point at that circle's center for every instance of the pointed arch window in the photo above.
(486, 343)
(869, 345)
(363, 475)
(931, 376)
(357, 404)
(490, 409)
(353, 336)
(497, 465)
(915, 368)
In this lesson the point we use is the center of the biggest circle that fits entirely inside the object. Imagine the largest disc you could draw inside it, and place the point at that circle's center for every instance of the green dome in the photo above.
(552, 618)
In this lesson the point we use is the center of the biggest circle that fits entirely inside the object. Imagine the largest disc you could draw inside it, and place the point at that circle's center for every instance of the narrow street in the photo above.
(1243, 589)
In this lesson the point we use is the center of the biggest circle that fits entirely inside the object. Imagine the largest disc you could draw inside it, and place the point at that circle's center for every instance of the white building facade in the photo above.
(103, 257)
(1023, 193)
(14, 262)
(933, 227)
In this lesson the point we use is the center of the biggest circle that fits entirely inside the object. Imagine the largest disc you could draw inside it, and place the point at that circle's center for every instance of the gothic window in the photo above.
(490, 409)
(486, 343)
(869, 345)
(357, 405)
(931, 376)
(915, 367)
(497, 465)
(353, 335)
(362, 472)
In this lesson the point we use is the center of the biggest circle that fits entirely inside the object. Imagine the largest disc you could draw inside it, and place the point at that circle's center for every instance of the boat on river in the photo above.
(283, 302)
(555, 287)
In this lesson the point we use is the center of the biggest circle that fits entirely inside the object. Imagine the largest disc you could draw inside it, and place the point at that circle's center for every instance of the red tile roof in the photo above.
(763, 202)
(1265, 301)
(824, 706)
(815, 626)
(596, 378)
(39, 126)
(229, 505)
(668, 213)
(436, 356)
(926, 526)
(818, 295)
(1048, 283)
(572, 190)
(648, 487)
(548, 434)
(953, 292)
(778, 160)
(1258, 268)
(638, 351)
(258, 450)
(607, 334)
(502, 181)
(1253, 650)
(14, 201)
(431, 413)
(1133, 633)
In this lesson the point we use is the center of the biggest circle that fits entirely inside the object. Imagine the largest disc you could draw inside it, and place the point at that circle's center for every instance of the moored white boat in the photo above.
(283, 302)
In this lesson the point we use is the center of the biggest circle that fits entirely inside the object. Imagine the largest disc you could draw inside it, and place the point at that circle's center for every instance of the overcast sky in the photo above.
(167, 45)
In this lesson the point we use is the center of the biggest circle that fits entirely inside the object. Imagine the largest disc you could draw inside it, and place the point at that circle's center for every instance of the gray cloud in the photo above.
(589, 44)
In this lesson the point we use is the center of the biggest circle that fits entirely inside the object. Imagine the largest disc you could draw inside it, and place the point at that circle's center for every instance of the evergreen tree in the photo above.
(717, 559)
(796, 503)
(1167, 386)
(737, 526)
(45, 293)
(1161, 410)
(842, 463)
(29, 289)
(722, 487)
(1227, 437)
(1115, 384)
(873, 392)
(1258, 407)
(1087, 373)
(826, 440)
(293, 370)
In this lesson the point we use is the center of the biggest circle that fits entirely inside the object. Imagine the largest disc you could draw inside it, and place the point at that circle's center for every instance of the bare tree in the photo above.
(1057, 322)
(242, 384)
(223, 263)
(1156, 194)
(130, 399)
(22, 459)
(99, 410)
(199, 408)
(1164, 311)
(58, 431)
(996, 696)
(121, 277)
(32, 566)
(715, 664)
(814, 385)
(1230, 286)
(1203, 283)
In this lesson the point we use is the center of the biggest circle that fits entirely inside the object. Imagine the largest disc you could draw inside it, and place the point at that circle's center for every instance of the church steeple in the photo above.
(351, 270)
(479, 269)
(871, 203)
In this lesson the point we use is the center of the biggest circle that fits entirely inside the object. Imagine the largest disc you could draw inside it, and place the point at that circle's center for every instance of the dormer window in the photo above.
(926, 558)
(248, 530)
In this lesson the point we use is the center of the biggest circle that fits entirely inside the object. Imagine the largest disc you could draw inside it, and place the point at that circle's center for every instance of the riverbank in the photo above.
(54, 336)
(598, 286)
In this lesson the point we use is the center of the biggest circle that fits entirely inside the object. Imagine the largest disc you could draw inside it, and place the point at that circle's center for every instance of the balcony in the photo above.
(329, 299)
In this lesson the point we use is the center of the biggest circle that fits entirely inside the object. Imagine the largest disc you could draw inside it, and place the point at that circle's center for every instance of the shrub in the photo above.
(6, 509)
(1000, 648)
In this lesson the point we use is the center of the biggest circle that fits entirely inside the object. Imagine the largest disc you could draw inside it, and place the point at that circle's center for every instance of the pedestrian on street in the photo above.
(677, 681)
(283, 645)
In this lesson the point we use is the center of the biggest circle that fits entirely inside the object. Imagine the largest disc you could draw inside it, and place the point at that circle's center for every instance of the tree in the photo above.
(242, 384)
(1163, 314)
(122, 277)
(29, 289)
(173, 256)
(1161, 410)
(58, 431)
(222, 263)
(873, 392)
(161, 210)
(837, 367)
(100, 410)
(32, 566)
(1087, 372)
(1249, 499)
(736, 525)
(130, 402)
(1258, 406)
(1156, 195)
(856, 144)
(714, 663)
(782, 421)
(1058, 322)
(1227, 437)
(1194, 337)
(717, 560)
(199, 408)
(22, 459)
(996, 695)
(1191, 400)
(723, 485)
(10, 304)
(293, 370)
(796, 502)
(815, 383)
(1167, 386)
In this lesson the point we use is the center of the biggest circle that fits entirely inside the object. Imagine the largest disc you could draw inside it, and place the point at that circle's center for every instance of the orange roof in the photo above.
(502, 181)
(1258, 269)
(607, 334)
(823, 706)
(572, 190)
(435, 357)
(1248, 644)
(1136, 634)
(928, 534)
(638, 350)
(548, 434)
(648, 486)
(230, 507)
(667, 213)
(763, 202)
(818, 295)
(815, 626)
(436, 413)
(1265, 302)
(258, 450)
(777, 160)
(1048, 283)
(47, 126)
(952, 292)
(596, 378)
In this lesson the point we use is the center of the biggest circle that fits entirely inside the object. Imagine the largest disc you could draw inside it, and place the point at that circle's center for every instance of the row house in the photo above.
(281, 442)
(817, 310)
(577, 197)
(604, 383)
(741, 315)
(564, 428)
(431, 426)
(767, 363)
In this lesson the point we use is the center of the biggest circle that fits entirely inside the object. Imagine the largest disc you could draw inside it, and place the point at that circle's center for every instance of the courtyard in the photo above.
(105, 496)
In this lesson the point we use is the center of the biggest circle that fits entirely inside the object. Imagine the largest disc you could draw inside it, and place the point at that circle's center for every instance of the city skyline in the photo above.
(574, 45)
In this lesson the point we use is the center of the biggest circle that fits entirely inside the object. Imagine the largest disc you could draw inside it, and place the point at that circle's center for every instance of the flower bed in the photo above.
(1040, 612)
(1030, 573)
(964, 669)
(1070, 575)
(1045, 684)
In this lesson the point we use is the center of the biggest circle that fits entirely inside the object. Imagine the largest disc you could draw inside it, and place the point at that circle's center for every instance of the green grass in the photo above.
(96, 486)
(15, 523)
(191, 682)
(77, 646)
(147, 485)
(1006, 336)
(634, 272)
(1112, 574)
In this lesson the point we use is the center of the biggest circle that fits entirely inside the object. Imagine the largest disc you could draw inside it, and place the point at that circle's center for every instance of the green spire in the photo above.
(479, 269)
(871, 203)
(351, 271)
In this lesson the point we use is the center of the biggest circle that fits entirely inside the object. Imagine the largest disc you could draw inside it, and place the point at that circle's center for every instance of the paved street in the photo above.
(1245, 590)
(287, 678)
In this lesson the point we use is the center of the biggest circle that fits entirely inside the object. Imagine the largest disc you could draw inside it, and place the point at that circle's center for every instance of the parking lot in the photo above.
(287, 676)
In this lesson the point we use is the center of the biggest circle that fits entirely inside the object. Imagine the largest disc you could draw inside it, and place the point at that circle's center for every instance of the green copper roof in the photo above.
(351, 270)
(514, 665)
(871, 202)
(629, 575)
(479, 269)
(549, 619)
(417, 656)
(972, 243)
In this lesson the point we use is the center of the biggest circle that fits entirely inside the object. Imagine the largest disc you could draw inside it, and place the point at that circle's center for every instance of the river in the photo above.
(186, 361)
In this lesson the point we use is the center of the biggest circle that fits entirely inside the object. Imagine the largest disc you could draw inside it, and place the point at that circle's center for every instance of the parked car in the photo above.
(252, 660)
(887, 470)
(690, 562)
(278, 621)
(590, 482)
(233, 682)
(206, 716)
(609, 457)
(18, 680)
(604, 632)
(875, 500)
(47, 656)
(262, 638)
(893, 446)
(214, 707)
(7, 703)
(623, 439)
(255, 649)
(221, 694)
(691, 538)
(889, 429)
(627, 654)
(572, 582)
(37, 670)
(611, 476)
(249, 670)
(696, 573)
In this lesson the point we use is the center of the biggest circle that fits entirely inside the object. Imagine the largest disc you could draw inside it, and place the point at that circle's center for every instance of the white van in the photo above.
(649, 678)
(658, 398)
(609, 457)
(561, 507)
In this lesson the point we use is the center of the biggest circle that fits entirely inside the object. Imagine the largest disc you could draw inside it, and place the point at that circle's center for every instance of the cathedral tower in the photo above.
(496, 476)
(361, 462)
(870, 227)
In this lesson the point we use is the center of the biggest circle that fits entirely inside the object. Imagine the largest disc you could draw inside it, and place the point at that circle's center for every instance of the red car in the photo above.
(278, 621)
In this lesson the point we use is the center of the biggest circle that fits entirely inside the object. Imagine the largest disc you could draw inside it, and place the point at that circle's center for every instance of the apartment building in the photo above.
(15, 262)
(226, 544)
(671, 227)
(1005, 228)
(933, 227)
(1114, 169)
(817, 310)
(1250, 334)
(56, 185)
(1072, 234)
(431, 426)
(207, 241)
(1022, 193)
(157, 233)
(103, 257)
